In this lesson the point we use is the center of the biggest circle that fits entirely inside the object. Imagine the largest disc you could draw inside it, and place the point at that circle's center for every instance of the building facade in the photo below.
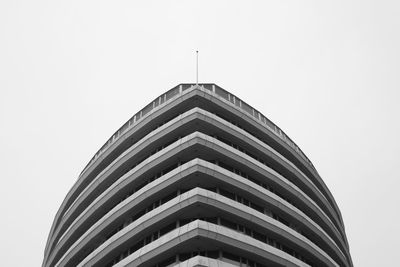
(198, 178)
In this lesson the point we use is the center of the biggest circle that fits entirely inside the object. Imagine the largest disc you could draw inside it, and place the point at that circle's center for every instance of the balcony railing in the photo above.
(209, 88)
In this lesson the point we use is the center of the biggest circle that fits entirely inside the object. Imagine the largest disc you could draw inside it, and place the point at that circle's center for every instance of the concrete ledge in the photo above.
(82, 200)
(200, 261)
(200, 229)
(129, 153)
(195, 113)
(206, 140)
(208, 198)
(158, 111)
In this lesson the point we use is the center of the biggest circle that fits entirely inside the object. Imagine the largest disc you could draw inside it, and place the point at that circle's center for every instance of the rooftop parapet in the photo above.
(209, 88)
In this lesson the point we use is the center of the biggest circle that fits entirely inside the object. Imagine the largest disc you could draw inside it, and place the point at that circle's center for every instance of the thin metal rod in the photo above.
(197, 67)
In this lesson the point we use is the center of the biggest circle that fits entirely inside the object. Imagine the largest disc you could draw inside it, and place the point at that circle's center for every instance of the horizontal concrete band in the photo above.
(238, 112)
(194, 114)
(116, 143)
(137, 148)
(77, 187)
(61, 230)
(216, 233)
(271, 175)
(147, 165)
(222, 176)
(137, 174)
(189, 116)
(227, 105)
(121, 161)
(162, 109)
(200, 261)
(191, 198)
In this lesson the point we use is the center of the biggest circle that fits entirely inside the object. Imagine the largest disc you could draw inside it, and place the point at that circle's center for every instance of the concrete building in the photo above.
(198, 178)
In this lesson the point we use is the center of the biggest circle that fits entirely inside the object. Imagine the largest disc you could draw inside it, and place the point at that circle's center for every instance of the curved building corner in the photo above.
(198, 178)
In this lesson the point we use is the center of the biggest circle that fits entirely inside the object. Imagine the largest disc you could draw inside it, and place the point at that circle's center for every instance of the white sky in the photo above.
(326, 72)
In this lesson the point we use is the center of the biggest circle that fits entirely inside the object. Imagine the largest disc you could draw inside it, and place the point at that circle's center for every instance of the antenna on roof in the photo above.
(197, 67)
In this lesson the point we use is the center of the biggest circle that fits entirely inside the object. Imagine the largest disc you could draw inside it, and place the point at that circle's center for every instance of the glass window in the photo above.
(214, 254)
(184, 256)
(230, 256)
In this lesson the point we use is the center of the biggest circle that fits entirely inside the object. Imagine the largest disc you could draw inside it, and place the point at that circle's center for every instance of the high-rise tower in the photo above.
(198, 178)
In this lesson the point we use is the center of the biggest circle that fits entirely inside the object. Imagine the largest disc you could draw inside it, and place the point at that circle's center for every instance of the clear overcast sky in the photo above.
(326, 72)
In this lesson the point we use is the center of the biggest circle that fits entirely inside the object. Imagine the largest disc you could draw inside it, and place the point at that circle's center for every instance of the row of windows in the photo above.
(159, 148)
(286, 176)
(158, 101)
(234, 123)
(156, 235)
(174, 116)
(219, 163)
(221, 191)
(268, 187)
(225, 166)
(172, 195)
(154, 151)
(176, 90)
(225, 141)
(219, 138)
(127, 170)
(104, 211)
(238, 102)
(149, 208)
(265, 210)
(213, 254)
(133, 218)
(256, 181)
(238, 198)
(243, 174)
(215, 220)
(226, 193)
(219, 91)
(291, 143)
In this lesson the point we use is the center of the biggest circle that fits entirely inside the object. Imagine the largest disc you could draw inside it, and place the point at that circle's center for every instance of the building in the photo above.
(198, 178)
